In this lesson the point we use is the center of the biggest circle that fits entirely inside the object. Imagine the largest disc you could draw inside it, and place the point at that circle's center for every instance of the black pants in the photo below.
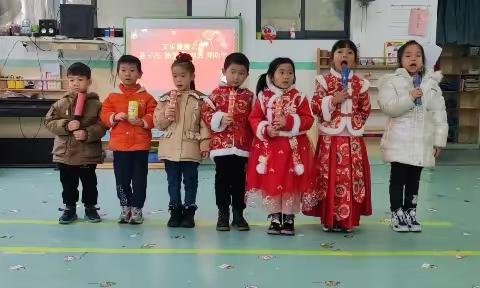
(131, 170)
(230, 181)
(70, 176)
(175, 171)
(404, 178)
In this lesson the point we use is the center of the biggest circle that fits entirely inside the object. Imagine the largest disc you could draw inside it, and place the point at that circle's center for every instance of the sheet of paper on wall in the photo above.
(417, 23)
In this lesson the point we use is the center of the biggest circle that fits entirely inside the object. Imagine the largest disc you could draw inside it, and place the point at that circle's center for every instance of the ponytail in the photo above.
(262, 83)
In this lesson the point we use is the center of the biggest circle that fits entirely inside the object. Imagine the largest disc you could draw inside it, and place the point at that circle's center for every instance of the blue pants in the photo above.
(175, 171)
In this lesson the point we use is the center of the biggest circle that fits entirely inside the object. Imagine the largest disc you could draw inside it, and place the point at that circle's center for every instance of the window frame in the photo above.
(309, 34)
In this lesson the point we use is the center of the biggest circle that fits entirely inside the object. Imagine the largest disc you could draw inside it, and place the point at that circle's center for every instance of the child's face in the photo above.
(128, 74)
(412, 59)
(343, 55)
(284, 76)
(77, 84)
(236, 75)
(182, 78)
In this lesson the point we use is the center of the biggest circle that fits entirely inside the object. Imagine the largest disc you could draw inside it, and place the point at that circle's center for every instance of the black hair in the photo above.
(262, 80)
(130, 59)
(345, 43)
(236, 58)
(79, 69)
(401, 51)
(184, 60)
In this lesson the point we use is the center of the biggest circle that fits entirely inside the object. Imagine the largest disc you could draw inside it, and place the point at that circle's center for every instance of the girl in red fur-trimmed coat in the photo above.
(342, 191)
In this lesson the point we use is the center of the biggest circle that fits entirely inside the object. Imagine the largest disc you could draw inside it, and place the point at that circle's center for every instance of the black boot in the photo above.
(288, 227)
(238, 221)
(69, 215)
(91, 214)
(276, 224)
(188, 220)
(223, 222)
(175, 216)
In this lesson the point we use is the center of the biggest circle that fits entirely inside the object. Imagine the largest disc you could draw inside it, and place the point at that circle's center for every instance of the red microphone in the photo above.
(81, 97)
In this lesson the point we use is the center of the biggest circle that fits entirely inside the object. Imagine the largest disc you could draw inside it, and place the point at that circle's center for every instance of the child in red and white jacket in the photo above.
(226, 113)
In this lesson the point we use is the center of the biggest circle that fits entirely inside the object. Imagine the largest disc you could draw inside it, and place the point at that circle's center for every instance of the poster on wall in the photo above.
(391, 51)
(417, 22)
(158, 41)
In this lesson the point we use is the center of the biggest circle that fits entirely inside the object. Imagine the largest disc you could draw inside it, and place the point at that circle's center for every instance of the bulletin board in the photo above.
(157, 41)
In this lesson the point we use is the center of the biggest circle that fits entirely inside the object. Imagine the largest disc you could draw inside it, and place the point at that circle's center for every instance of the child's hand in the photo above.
(436, 151)
(136, 122)
(271, 132)
(227, 119)
(120, 116)
(416, 93)
(205, 154)
(279, 122)
(80, 135)
(73, 125)
(340, 97)
(170, 112)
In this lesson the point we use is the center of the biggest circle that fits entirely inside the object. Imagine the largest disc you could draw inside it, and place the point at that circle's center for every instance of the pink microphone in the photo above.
(81, 97)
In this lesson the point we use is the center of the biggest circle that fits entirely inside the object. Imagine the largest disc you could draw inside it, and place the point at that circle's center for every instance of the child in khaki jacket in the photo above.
(184, 142)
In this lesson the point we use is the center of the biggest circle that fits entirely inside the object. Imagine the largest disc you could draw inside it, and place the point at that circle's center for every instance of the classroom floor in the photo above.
(445, 254)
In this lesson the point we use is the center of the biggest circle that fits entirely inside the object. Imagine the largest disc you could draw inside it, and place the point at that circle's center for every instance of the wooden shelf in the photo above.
(365, 67)
(38, 80)
(34, 90)
(71, 44)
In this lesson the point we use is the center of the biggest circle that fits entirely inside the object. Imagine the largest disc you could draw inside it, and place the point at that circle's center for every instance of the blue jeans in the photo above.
(175, 171)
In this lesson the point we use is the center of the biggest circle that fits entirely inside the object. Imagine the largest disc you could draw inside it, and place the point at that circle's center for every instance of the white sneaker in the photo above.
(137, 216)
(412, 222)
(125, 214)
(399, 222)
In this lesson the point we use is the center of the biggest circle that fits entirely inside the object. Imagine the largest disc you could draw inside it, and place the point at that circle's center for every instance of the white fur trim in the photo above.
(299, 169)
(216, 122)
(228, 151)
(321, 80)
(261, 168)
(354, 132)
(296, 124)
(261, 130)
(338, 75)
(365, 86)
(327, 100)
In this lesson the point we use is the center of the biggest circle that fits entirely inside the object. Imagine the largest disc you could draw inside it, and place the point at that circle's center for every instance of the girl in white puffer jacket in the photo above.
(415, 131)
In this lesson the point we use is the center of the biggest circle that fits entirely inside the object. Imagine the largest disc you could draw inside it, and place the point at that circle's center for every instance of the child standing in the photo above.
(414, 133)
(342, 189)
(77, 149)
(130, 115)
(184, 142)
(281, 151)
(226, 114)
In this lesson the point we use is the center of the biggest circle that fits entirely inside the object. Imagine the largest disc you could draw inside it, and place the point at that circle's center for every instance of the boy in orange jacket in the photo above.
(130, 115)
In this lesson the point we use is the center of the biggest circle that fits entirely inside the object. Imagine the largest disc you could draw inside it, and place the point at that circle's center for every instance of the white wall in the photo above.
(379, 29)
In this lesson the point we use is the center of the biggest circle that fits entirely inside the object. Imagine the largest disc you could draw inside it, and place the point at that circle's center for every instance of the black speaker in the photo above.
(48, 27)
(77, 21)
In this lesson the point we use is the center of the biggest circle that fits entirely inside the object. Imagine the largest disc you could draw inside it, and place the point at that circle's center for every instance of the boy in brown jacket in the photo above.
(77, 147)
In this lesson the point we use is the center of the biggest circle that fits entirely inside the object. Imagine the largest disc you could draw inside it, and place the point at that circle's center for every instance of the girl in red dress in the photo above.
(342, 188)
(281, 152)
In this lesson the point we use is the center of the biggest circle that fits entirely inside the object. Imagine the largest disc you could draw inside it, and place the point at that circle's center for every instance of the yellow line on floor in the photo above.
(156, 222)
(155, 251)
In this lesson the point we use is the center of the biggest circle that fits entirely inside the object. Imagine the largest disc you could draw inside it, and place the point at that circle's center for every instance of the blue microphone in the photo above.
(417, 80)
(345, 73)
